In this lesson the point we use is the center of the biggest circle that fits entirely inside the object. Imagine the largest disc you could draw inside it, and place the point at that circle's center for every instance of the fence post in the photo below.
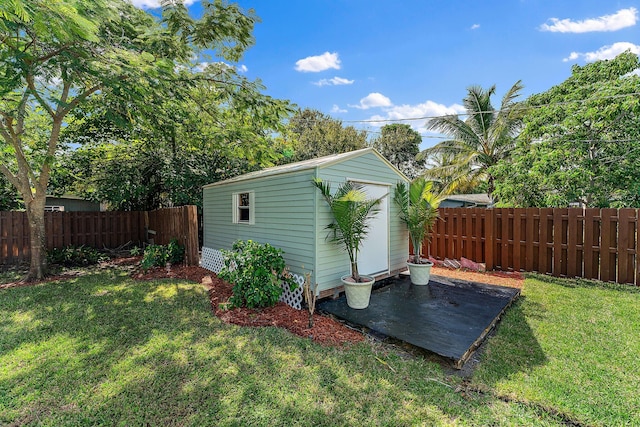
(190, 217)
(489, 242)
(637, 257)
(608, 241)
(626, 244)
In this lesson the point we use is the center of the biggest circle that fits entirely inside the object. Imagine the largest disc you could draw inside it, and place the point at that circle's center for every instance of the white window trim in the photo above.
(235, 208)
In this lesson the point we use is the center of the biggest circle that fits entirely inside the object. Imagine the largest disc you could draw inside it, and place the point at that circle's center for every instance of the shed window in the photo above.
(243, 208)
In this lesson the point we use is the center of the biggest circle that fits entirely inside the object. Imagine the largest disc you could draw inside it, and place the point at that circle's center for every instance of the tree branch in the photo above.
(78, 99)
(53, 53)
(14, 140)
(4, 131)
(13, 179)
(22, 105)
(66, 86)
(32, 87)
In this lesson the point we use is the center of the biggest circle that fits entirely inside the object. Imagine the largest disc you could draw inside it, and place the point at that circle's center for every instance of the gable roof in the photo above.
(478, 198)
(318, 162)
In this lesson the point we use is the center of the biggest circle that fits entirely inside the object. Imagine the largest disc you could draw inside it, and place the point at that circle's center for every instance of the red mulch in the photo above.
(325, 330)
(513, 279)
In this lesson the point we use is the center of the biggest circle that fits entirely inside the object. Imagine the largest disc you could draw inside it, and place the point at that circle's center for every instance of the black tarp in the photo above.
(446, 317)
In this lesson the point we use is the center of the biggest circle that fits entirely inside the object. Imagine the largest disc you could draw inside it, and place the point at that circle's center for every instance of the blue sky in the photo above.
(361, 60)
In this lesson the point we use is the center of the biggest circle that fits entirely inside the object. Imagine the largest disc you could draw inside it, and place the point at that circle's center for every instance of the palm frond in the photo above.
(484, 138)
(351, 211)
(418, 206)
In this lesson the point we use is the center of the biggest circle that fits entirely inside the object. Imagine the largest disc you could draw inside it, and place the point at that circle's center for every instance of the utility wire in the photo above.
(517, 106)
(497, 111)
(522, 106)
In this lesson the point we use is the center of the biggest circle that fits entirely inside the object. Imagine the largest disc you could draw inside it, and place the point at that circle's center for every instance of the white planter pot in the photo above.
(358, 294)
(420, 273)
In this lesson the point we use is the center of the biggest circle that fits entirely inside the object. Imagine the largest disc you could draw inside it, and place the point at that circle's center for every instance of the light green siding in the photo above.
(291, 214)
(333, 262)
(284, 216)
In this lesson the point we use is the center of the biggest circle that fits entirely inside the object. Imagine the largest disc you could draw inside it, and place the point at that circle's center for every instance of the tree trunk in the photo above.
(491, 187)
(354, 272)
(35, 216)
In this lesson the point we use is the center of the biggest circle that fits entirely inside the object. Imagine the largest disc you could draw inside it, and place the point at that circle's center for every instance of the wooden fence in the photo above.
(591, 243)
(180, 223)
(100, 230)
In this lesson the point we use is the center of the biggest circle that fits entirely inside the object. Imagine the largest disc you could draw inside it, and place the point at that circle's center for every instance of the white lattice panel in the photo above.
(293, 298)
(212, 259)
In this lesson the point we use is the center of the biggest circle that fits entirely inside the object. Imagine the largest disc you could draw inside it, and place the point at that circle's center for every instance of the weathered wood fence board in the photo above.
(100, 230)
(180, 223)
(591, 243)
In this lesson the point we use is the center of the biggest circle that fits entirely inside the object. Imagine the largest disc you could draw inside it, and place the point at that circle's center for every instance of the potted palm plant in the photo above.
(418, 206)
(351, 211)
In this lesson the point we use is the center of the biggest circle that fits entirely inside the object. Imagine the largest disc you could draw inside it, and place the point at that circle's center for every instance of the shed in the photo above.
(480, 200)
(70, 203)
(282, 207)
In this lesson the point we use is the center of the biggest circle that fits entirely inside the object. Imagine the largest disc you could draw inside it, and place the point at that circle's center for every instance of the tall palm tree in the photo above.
(480, 141)
(449, 174)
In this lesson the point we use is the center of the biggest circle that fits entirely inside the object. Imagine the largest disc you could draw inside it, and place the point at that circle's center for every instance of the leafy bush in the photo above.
(256, 272)
(75, 256)
(159, 255)
(175, 252)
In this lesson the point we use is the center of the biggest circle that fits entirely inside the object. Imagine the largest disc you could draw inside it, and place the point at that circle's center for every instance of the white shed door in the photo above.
(373, 258)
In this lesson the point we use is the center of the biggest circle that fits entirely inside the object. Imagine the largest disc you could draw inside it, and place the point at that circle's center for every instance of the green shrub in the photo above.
(159, 255)
(175, 252)
(257, 272)
(75, 256)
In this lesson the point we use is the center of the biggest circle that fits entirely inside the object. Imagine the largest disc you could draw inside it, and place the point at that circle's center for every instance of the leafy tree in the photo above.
(54, 56)
(8, 196)
(313, 134)
(400, 144)
(484, 138)
(135, 176)
(581, 141)
(145, 162)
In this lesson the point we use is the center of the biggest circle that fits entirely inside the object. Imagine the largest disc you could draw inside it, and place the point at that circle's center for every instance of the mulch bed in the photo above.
(512, 279)
(325, 330)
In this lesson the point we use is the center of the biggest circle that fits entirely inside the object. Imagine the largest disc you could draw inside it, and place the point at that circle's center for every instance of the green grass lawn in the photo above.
(103, 349)
(570, 346)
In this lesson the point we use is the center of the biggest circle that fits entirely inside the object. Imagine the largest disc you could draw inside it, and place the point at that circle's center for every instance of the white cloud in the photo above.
(605, 52)
(154, 4)
(572, 57)
(336, 81)
(314, 64)
(475, 26)
(242, 69)
(621, 19)
(373, 100)
(416, 115)
(337, 109)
